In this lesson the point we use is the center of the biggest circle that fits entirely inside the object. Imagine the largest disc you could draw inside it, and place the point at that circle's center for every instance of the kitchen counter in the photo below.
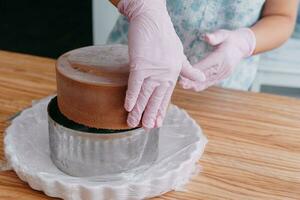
(254, 139)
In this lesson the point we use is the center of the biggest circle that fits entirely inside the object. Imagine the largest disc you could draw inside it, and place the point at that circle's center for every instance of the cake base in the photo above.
(27, 150)
(81, 151)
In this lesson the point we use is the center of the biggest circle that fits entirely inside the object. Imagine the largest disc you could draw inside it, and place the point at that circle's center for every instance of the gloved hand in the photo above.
(156, 59)
(231, 47)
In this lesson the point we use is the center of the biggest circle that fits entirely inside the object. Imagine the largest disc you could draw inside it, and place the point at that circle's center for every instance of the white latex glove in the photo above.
(156, 59)
(231, 47)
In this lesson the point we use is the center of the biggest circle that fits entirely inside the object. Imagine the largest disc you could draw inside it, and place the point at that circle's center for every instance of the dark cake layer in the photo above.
(58, 117)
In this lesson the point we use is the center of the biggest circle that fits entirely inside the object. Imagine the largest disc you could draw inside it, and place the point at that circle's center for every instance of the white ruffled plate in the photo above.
(27, 149)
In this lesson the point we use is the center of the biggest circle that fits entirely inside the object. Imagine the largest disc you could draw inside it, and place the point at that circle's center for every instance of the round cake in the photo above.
(91, 86)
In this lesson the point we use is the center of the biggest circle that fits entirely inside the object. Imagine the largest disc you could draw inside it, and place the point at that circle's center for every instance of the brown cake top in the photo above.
(99, 65)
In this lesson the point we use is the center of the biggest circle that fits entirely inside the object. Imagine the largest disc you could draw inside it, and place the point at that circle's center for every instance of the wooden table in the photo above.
(254, 139)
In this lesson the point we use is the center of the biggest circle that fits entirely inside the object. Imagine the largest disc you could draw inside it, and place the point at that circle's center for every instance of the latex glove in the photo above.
(156, 59)
(231, 47)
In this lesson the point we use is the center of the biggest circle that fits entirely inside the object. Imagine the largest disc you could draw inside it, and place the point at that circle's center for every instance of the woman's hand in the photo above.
(230, 48)
(156, 59)
(273, 29)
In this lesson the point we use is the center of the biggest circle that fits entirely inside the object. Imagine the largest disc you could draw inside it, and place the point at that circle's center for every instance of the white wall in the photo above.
(104, 18)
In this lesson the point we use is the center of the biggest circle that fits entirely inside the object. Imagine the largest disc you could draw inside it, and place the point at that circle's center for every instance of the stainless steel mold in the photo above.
(84, 152)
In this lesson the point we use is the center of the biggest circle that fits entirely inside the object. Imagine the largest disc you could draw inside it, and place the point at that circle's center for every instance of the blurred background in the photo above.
(45, 28)
(50, 28)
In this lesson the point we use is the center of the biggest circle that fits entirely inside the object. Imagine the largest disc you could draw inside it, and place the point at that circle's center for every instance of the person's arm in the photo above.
(156, 58)
(232, 46)
(276, 25)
